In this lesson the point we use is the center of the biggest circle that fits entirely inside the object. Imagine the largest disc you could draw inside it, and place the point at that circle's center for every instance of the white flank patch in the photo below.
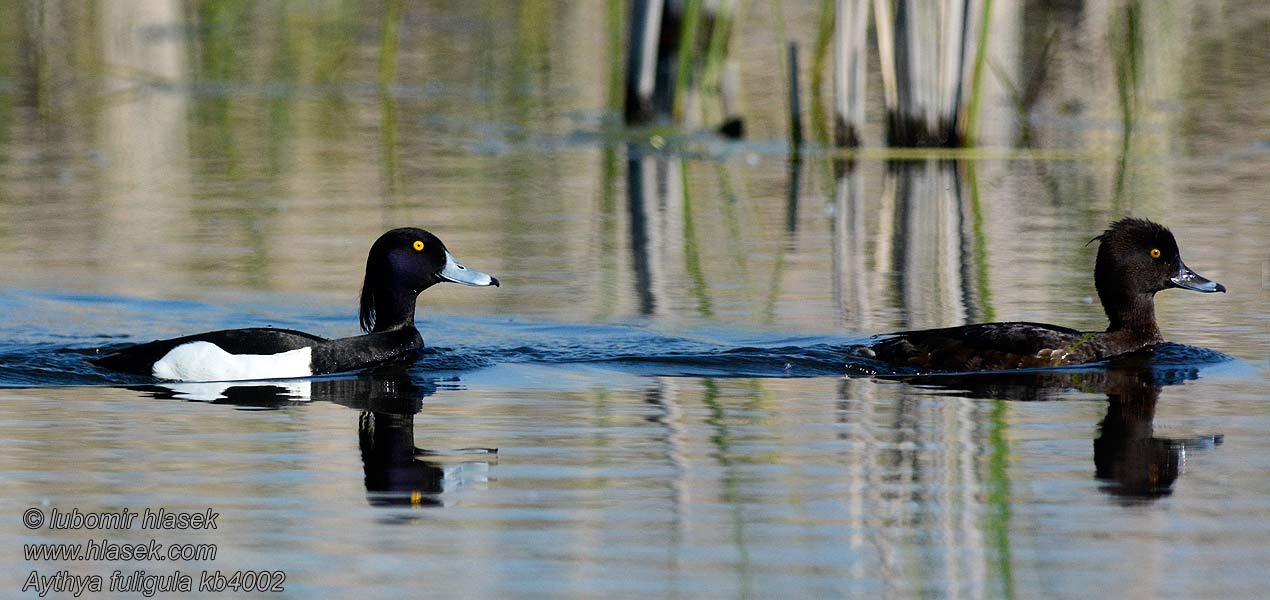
(205, 361)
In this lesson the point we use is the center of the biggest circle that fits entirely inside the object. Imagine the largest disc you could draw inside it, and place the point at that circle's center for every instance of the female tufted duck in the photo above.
(1136, 259)
(402, 263)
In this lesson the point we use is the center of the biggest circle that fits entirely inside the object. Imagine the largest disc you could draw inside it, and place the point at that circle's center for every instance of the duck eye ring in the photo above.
(419, 248)
(1155, 252)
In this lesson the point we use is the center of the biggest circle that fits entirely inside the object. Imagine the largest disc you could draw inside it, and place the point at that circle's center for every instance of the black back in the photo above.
(140, 359)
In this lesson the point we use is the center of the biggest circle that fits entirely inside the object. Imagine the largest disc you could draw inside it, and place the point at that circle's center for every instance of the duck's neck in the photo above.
(394, 309)
(1133, 315)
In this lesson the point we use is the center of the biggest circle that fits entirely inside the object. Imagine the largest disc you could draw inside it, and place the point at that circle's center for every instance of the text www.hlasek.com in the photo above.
(105, 549)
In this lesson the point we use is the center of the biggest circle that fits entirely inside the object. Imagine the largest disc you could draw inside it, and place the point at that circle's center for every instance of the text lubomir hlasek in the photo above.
(127, 519)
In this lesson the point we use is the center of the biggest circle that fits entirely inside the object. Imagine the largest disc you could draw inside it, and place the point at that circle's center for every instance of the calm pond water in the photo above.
(659, 372)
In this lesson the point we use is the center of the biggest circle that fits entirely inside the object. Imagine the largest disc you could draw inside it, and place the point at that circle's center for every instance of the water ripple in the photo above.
(47, 356)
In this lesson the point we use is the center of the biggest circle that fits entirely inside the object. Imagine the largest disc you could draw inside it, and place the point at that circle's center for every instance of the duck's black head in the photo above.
(402, 263)
(1136, 259)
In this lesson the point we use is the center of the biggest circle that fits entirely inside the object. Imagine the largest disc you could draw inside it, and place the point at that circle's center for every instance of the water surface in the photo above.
(659, 372)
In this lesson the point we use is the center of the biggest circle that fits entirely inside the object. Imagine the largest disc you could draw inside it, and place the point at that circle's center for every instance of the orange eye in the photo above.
(419, 248)
(1155, 252)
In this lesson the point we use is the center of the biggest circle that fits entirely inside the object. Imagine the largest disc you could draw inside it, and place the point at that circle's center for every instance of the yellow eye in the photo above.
(419, 248)
(1155, 252)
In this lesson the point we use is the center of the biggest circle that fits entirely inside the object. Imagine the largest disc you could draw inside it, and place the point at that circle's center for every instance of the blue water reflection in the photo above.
(660, 372)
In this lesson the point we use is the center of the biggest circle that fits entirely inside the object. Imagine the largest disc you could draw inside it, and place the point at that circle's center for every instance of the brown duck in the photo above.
(1136, 259)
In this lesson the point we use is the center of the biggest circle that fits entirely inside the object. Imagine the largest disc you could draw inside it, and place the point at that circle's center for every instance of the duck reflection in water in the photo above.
(400, 474)
(1130, 462)
(397, 472)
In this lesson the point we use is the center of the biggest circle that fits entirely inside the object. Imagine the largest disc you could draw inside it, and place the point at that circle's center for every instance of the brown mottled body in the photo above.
(995, 346)
(1136, 259)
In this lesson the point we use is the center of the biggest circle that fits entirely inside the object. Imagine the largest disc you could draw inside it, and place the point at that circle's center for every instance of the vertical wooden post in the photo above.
(851, 30)
(923, 49)
(641, 59)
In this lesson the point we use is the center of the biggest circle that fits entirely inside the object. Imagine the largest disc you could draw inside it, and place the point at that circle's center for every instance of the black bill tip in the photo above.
(1190, 280)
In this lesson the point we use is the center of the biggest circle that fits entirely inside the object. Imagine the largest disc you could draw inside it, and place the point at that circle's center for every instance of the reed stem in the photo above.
(795, 103)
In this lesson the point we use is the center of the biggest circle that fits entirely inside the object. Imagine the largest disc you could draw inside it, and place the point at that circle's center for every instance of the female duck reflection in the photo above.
(397, 472)
(1129, 461)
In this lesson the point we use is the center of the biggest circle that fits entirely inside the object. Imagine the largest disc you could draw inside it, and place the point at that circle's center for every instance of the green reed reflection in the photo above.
(721, 439)
(692, 252)
(975, 104)
(980, 245)
(998, 518)
(1127, 51)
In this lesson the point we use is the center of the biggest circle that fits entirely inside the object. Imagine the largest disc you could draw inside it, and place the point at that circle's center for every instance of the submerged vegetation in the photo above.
(253, 147)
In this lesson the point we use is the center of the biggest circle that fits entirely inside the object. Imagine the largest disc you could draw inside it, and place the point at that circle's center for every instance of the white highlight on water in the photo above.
(298, 390)
(205, 361)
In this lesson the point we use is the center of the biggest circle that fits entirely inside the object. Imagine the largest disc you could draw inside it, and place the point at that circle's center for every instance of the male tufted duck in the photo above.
(402, 263)
(1136, 259)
